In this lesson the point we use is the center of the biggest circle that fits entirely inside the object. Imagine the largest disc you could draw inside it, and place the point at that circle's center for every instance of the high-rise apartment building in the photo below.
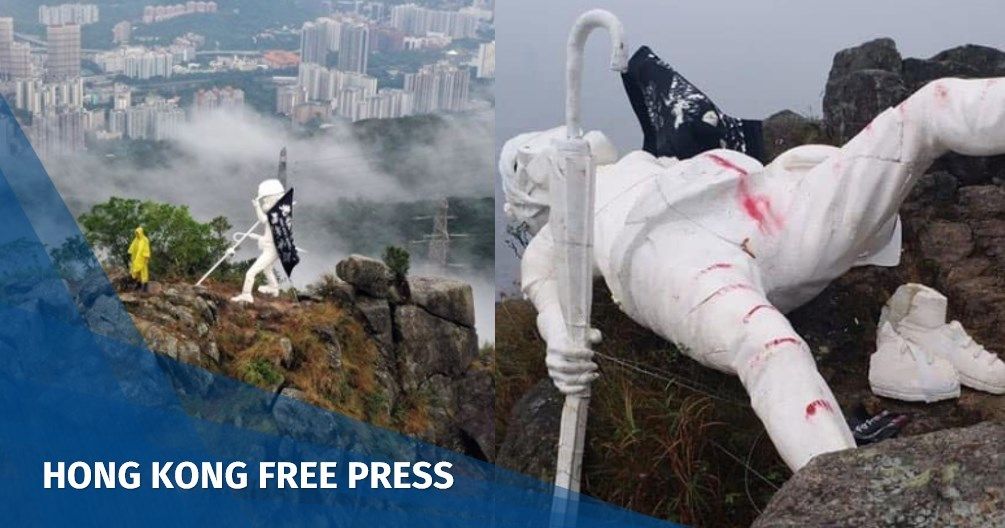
(485, 62)
(80, 14)
(418, 21)
(354, 47)
(63, 60)
(440, 87)
(6, 45)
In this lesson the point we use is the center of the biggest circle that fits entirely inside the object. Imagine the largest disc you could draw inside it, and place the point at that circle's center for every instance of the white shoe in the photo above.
(918, 314)
(900, 370)
(269, 290)
(978, 368)
(243, 298)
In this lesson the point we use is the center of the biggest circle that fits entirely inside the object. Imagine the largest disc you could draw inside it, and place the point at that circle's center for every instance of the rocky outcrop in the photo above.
(531, 441)
(428, 378)
(949, 478)
(370, 276)
(867, 79)
(863, 82)
(429, 350)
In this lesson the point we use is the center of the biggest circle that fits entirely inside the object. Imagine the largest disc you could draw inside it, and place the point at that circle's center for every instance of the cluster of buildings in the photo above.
(348, 37)
(159, 13)
(140, 62)
(415, 20)
(217, 98)
(80, 14)
(334, 50)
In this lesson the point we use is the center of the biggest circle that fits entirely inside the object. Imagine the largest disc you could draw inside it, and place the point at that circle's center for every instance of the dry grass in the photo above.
(248, 339)
(658, 423)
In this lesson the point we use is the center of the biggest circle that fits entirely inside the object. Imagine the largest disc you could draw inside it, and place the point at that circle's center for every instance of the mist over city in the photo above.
(384, 110)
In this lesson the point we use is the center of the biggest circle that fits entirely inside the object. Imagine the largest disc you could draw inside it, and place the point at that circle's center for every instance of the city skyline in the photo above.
(70, 96)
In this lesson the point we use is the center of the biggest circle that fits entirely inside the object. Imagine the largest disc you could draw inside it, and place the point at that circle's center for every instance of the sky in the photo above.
(752, 57)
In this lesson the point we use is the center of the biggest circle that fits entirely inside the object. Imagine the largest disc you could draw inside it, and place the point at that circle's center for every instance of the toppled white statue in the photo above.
(920, 357)
(269, 192)
(710, 252)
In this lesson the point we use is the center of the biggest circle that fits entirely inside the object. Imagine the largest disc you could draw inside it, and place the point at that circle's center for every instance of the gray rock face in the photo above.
(867, 79)
(852, 100)
(377, 314)
(430, 345)
(447, 298)
(367, 275)
(954, 477)
(429, 352)
(531, 441)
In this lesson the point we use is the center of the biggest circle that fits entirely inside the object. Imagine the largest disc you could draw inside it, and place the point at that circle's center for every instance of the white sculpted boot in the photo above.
(918, 314)
(900, 370)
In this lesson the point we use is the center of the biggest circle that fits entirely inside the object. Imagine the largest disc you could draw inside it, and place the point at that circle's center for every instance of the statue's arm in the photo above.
(571, 367)
(539, 283)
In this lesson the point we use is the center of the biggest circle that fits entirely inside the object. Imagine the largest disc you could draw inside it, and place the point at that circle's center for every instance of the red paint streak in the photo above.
(728, 165)
(757, 207)
(811, 409)
(724, 290)
(759, 307)
(716, 266)
(781, 341)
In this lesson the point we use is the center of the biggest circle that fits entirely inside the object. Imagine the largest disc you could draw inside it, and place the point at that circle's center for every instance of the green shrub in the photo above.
(180, 246)
(262, 373)
(397, 259)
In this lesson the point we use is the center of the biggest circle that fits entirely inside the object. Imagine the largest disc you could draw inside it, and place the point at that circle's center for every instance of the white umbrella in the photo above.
(571, 221)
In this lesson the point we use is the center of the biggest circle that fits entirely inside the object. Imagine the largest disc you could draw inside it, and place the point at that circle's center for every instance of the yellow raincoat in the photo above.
(139, 257)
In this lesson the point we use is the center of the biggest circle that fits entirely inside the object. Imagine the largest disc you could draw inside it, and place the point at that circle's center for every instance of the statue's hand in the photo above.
(571, 368)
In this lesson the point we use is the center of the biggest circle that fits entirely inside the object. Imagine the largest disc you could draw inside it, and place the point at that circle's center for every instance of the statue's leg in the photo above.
(846, 206)
(706, 295)
(262, 263)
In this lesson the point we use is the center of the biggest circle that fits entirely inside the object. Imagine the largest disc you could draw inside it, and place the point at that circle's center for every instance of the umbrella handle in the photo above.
(585, 24)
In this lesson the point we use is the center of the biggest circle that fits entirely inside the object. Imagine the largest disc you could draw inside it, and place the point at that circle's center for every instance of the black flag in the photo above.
(281, 223)
(677, 119)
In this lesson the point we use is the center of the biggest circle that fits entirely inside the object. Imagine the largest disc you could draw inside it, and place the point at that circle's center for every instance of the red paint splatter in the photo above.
(781, 341)
(757, 207)
(724, 290)
(759, 307)
(941, 94)
(716, 266)
(811, 409)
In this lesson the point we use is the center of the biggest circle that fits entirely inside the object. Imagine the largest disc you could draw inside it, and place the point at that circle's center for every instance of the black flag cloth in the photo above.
(677, 119)
(281, 223)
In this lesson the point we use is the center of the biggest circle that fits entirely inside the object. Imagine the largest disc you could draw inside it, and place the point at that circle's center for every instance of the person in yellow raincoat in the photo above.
(139, 259)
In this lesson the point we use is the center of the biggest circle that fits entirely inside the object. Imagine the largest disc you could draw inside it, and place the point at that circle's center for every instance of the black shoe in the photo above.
(880, 427)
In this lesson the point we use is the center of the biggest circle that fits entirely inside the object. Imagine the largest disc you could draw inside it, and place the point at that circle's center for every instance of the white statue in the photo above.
(710, 252)
(269, 192)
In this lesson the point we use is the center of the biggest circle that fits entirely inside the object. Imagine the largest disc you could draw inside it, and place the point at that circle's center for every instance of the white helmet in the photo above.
(526, 163)
(270, 187)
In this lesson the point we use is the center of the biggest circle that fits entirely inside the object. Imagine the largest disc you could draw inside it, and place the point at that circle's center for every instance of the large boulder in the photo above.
(952, 477)
(431, 345)
(369, 276)
(447, 298)
(531, 440)
(867, 79)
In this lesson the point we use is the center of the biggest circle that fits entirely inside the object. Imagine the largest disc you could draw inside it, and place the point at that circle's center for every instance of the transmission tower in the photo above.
(438, 242)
